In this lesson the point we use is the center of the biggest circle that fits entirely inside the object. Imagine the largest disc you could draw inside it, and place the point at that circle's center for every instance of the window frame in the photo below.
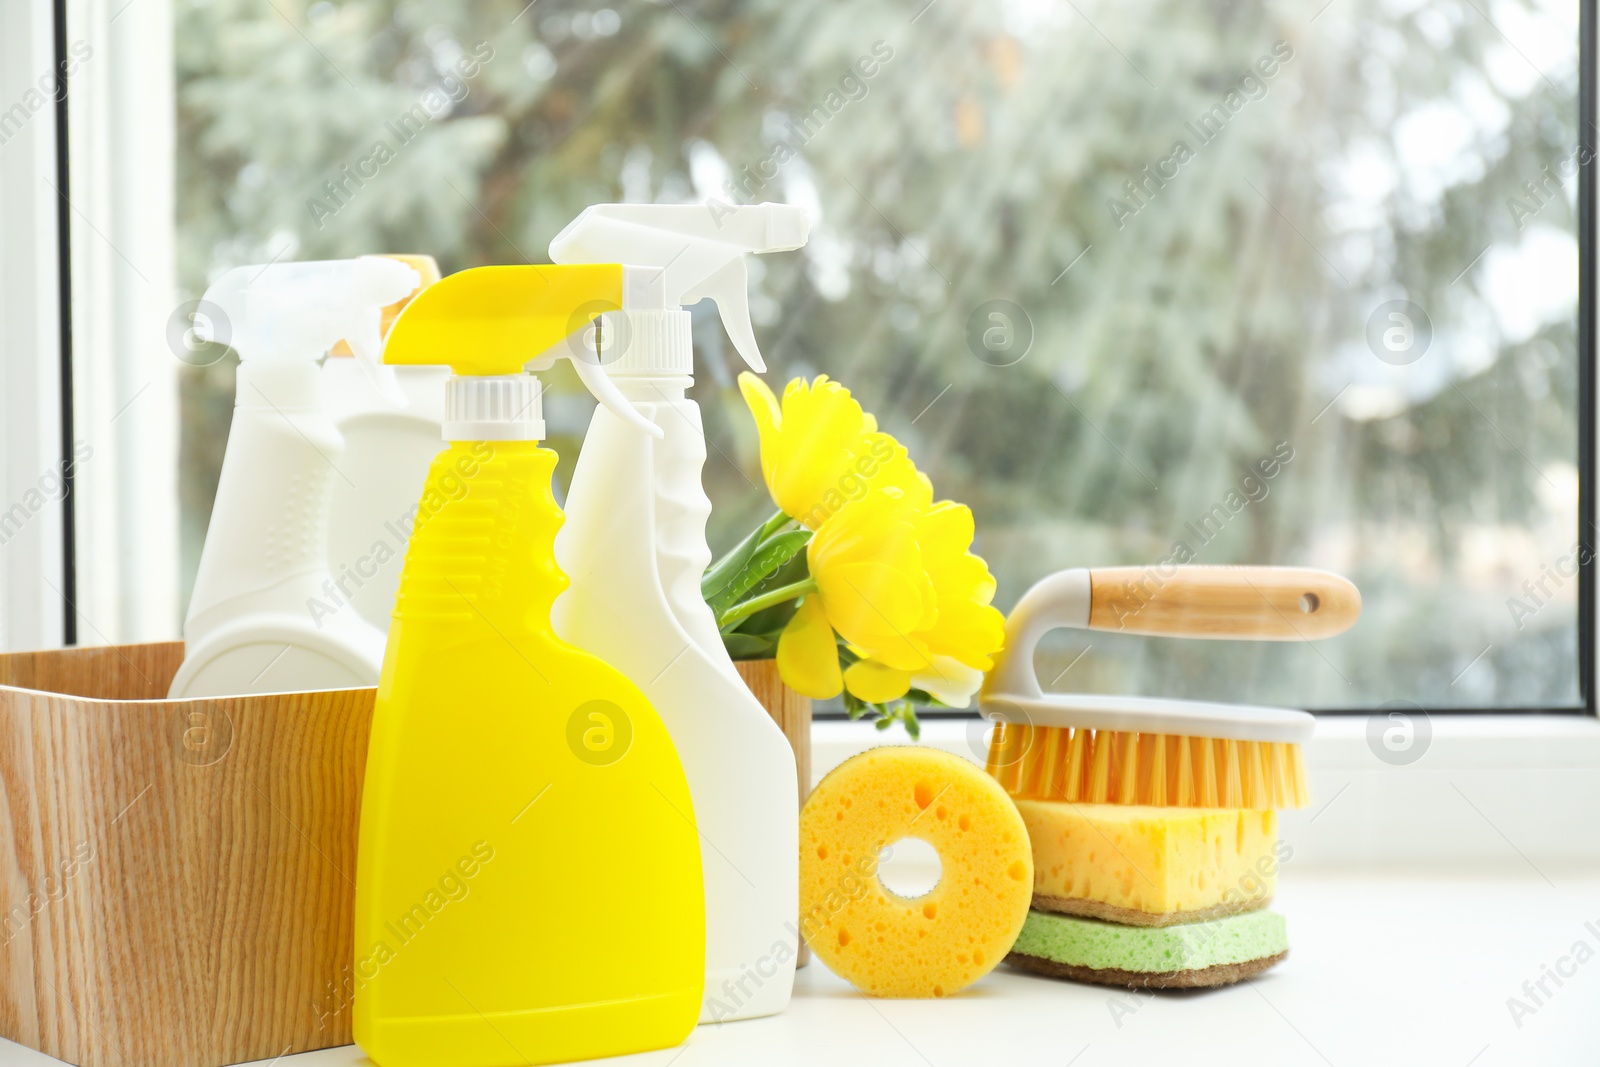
(35, 581)
(49, 385)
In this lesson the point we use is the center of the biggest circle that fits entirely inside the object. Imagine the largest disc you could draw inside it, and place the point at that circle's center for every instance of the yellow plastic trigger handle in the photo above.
(492, 320)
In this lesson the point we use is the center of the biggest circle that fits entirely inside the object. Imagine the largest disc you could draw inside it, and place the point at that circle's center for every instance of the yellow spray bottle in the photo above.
(528, 884)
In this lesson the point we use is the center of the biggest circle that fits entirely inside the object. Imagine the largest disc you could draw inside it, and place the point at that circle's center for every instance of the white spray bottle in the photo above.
(634, 545)
(263, 617)
(390, 438)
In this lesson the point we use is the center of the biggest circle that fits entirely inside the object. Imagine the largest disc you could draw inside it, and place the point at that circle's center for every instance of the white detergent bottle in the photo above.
(390, 438)
(265, 616)
(634, 545)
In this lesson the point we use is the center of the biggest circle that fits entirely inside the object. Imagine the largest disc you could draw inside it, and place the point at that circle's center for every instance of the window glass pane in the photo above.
(1240, 282)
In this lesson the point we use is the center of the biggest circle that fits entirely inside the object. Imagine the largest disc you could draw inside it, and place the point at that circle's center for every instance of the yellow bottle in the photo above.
(528, 885)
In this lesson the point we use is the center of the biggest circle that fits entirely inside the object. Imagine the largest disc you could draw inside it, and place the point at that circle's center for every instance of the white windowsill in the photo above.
(1504, 793)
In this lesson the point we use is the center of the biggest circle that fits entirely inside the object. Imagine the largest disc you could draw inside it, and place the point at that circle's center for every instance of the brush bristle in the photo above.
(1162, 770)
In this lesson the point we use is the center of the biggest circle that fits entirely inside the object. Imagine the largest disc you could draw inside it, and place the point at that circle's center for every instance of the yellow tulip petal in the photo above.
(867, 602)
(808, 656)
(876, 683)
(947, 680)
(763, 405)
(967, 628)
(968, 632)
(820, 451)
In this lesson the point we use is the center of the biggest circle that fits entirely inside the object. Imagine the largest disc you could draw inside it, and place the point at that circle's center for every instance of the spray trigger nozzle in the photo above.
(299, 311)
(699, 249)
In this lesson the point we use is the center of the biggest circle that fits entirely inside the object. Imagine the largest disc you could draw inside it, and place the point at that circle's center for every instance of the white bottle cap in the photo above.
(647, 344)
(493, 408)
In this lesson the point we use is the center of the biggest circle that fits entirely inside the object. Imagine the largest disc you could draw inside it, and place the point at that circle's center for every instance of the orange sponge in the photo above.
(929, 946)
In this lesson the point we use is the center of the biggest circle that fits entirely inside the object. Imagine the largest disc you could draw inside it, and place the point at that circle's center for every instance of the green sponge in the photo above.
(1212, 953)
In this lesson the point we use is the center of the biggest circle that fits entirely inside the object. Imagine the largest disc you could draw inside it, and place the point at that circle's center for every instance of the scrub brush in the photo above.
(1139, 750)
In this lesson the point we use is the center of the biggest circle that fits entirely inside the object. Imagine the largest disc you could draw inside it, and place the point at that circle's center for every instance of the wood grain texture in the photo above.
(792, 713)
(1244, 603)
(176, 876)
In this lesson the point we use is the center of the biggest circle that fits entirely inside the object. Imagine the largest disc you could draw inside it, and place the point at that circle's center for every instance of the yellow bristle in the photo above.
(1077, 758)
(997, 752)
(1027, 764)
(1050, 776)
(1141, 770)
(991, 763)
(1279, 775)
(1100, 770)
(1107, 766)
(1029, 773)
(1155, 777)
(1255, 781)
(1297, 776)
(1128, 768)
(1232, 791)
(1011, 756)
(1205, 788)
(1261, 777)
(1184, 794)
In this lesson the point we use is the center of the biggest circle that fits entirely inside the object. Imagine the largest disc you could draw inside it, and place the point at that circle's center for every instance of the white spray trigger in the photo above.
(297, 311)
(730, 288)
(599, 383)
(700, 250)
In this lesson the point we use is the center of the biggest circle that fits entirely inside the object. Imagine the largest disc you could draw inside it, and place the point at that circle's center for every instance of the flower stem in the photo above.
(782, 594)
(722, 571)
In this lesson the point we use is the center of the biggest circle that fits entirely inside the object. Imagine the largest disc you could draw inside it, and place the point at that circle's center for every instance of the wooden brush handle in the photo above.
(1239, 603)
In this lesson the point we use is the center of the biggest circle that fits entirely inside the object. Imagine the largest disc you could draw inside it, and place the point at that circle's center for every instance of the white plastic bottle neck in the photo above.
(281, 385)
(500, 407)
(651, 344)
(653, 388)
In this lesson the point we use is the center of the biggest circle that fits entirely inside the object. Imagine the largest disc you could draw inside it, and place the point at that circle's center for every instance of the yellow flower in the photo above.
(808, 657)
(893, 570)
(820, 451)
(871, 588)
(947, 658)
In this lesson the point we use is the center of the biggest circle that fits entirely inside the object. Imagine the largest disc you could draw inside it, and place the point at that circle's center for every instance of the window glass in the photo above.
(1230, 282)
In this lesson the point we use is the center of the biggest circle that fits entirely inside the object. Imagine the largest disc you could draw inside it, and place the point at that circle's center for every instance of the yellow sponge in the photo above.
(1150, 866)
(933, 945)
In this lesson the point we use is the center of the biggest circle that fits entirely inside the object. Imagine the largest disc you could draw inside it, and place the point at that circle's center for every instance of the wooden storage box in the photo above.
(178, 875)
(178, 879)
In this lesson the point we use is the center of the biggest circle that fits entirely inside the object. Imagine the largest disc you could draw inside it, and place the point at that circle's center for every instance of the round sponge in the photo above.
(928, 946)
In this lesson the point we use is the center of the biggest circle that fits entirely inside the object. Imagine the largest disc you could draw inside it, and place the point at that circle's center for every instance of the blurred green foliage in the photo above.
(1172, 346)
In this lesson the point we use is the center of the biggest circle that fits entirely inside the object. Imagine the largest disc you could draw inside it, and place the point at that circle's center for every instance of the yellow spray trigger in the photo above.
(493, 320)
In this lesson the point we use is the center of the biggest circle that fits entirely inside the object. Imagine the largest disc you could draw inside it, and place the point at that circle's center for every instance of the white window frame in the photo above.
(32, 577)
(122, 441)
(122, 134)
(1492, 789)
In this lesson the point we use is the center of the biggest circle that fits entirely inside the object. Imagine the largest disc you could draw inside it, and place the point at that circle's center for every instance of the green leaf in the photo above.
(769, 622)
(720, 573)
(909, 718)
(748, 646)
(854, 706)
(772, 554)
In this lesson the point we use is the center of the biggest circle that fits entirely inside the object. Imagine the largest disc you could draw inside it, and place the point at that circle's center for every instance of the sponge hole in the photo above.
(910, 867)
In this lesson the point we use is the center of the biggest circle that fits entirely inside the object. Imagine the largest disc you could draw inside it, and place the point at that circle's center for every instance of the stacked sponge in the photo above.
(1151, 896)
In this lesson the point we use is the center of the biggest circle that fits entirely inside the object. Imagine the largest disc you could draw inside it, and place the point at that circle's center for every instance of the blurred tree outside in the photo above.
(1197, 219)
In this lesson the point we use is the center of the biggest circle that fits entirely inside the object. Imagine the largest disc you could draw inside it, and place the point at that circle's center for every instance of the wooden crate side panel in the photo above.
(207, 916)
(286, 890)
(111, 672)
